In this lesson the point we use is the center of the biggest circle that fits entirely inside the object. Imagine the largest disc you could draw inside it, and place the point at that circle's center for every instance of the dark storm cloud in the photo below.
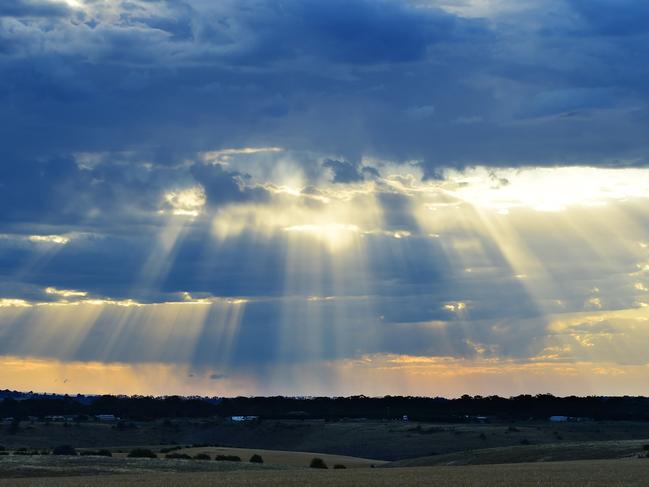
(352, 78)
(614, 17)
(32, 8)
(223, 186)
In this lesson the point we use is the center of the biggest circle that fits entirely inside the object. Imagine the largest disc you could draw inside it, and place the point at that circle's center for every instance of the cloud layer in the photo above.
(244, 188)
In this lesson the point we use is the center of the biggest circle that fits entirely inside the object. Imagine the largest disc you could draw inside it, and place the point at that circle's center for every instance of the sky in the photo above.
(324, 197)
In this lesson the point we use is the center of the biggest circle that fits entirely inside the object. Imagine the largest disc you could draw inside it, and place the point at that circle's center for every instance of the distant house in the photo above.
(405, 418)
(240, 419)
(559, 419)
(572, 419)
(106, 418)
(56, 418)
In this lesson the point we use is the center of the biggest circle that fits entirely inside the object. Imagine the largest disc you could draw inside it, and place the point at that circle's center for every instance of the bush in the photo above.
(202, 456)
(339, 466)
(525, 441)
(256, 459)
(645, 447)
(96, 453)
(318, 463)
(227, 458)
(178, 456)
(64, 450)
(142, 453)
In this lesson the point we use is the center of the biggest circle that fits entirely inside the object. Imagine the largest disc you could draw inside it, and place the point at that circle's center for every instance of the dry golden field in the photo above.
(598, 473)
(289, 458)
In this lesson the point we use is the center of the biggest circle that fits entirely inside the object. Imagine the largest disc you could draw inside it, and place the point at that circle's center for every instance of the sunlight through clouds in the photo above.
(549, 189)
(394, 266)
(186, 202)
(53, 239)
(457, 198)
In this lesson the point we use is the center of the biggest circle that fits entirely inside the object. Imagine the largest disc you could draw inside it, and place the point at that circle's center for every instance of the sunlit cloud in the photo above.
(65, 293)
(548, 189)
(13, 303)
(49, 239)
(456, 307)
(73, 3)
(187, 202)
(222, 156)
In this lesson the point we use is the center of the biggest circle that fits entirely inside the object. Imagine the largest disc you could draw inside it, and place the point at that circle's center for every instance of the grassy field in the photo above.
(16, 466)
(369, 439)
(604, 473)
(552, 452)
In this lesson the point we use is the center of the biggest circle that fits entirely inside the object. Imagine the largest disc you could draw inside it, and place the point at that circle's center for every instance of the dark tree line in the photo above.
(466, 408)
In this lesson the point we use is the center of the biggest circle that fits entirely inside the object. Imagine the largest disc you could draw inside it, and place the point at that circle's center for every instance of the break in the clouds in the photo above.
(324, 196)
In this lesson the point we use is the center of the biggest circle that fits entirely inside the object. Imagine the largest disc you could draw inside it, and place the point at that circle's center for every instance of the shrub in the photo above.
(339, 466)
(202, 456)
(645, 447)
(256, 459)
(318, 463)
(142, 453)
(227, 458)
(525, 441)
(178, 456)
(64, 450)
(4, 453)
(97, 453)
